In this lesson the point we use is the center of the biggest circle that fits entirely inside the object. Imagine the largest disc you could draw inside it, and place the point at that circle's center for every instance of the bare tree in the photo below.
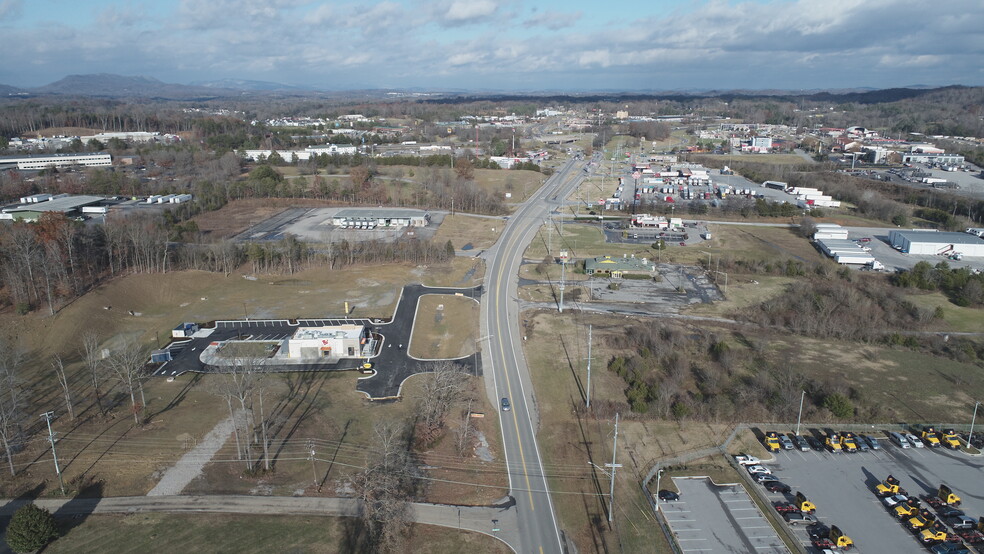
(126, 363)
(386, 487)
(59, 367)
(11, 410)
(441, 388)
(94, 362)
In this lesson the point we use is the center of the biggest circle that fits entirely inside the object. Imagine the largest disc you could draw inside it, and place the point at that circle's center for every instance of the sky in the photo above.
(501, 45)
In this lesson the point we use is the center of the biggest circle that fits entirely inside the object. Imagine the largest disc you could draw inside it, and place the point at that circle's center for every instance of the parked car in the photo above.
(950, 511)
(785, 442)
(861, 443)
(916, 441)
(776, 486)
(797, 518)
(763, 477)
(891, 501)
(801, 443)
(899, 440)
(758, 469)
(668, 496)
(745, 460)
(872, 442)
(961, 523)
(814, 443)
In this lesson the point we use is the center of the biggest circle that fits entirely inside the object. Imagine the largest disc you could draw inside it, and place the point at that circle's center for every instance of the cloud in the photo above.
(10, 9)
(553, 21)
(712, 44)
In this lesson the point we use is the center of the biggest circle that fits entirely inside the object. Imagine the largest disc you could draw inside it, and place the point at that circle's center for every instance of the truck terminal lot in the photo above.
(718, 518)
(842, 487)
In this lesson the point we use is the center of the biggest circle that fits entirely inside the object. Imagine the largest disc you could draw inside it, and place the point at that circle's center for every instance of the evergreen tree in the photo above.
(30, 529)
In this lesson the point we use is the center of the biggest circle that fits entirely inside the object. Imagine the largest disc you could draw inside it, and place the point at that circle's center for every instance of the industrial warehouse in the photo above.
(380, 217)
(934, 243)
(45, 161)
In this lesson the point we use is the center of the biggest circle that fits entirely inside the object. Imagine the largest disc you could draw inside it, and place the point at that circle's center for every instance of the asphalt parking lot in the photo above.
(718, 518)
(841, 485)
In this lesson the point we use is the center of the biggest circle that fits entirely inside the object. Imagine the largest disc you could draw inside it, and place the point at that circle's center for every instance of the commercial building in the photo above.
(380, 217)
(34, 206)
(331, 342)
(845, 252)
(922, 242)
(617, 267)
(301, 155)
(44, 161)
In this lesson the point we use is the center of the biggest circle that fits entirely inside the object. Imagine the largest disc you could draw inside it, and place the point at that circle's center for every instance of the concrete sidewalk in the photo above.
(470, 518)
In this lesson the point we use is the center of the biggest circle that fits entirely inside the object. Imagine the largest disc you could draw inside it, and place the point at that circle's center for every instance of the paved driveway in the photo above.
(718, 518)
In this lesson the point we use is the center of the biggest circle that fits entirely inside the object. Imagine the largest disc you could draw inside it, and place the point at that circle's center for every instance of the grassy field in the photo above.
(957, 318)
(138, 533)
(446, 327)
(570, 437)
(463, 230)
(108, 454)
(772, 159)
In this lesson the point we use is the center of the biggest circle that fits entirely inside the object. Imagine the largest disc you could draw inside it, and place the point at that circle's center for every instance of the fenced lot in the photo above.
(842, 487)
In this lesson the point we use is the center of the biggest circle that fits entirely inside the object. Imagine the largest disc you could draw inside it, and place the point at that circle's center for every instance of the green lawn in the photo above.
(139, 533)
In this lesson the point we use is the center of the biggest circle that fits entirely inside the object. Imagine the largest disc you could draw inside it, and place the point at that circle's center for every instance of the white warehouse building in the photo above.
(931, 243)
(44, 161)
(324, 343)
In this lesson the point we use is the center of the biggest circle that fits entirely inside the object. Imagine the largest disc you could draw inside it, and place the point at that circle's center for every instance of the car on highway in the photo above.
(668, 496)
(758, 469)
(786, 443)
(777, 486)
(916, 441)
(505, 405)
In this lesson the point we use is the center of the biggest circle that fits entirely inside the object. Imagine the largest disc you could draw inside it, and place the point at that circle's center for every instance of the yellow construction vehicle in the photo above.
(923, 519)
(950, 439)
(907, 509)
(932, 535)
(946, 495)
(772, 442)
(889, 487)
(849, 443)
(931, 437)
(833, 442)
(805, 505)
(839, 539)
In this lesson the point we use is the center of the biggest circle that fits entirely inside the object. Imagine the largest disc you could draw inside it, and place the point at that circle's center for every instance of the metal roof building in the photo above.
(931, 243)
(43, 161)
(616, 267)
(380, 217)
(67, 205)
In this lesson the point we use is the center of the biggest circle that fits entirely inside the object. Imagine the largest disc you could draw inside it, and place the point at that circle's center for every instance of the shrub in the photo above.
(30, 529)
(839, 405)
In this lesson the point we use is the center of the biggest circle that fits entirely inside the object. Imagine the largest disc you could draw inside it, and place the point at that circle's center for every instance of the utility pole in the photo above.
(563, 277)
(614, 466)
(800, 416)
(51, 438)
(314, 473)
(970, 436)
(589, 367)
(550, 236)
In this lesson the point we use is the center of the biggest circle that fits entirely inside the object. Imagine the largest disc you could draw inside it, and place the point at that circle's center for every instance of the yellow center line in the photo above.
(502, 353)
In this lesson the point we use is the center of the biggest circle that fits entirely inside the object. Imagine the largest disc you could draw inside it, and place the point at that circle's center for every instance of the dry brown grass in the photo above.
(445, 327)
(462, 229)
(127, 459)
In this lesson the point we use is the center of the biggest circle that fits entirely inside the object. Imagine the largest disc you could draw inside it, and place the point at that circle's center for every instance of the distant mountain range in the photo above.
(106, 85)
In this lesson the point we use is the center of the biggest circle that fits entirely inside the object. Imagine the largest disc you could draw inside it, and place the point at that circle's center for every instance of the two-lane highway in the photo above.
(503, 359)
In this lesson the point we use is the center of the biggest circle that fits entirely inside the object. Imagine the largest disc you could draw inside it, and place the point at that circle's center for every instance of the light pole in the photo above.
(970, 436)
(658, 475)
(800, 416)
(51, 437)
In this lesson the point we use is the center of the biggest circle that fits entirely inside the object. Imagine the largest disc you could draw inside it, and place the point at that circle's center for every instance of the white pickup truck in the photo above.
(744, 460)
